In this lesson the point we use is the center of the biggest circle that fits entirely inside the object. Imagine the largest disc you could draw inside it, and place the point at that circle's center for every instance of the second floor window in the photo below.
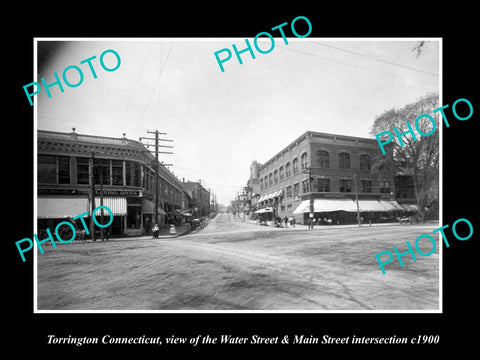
(365, 162)
(304, 161)
(295, 166)
(344, 160)
(287, 170)
(323, 159)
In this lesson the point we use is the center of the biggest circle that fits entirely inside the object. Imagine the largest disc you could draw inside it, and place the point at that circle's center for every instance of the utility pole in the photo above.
(156, 146)
(101, 200)
(92, 194)
(356, 198)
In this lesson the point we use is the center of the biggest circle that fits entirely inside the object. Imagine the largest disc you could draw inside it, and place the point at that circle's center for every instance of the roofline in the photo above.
(316, 134)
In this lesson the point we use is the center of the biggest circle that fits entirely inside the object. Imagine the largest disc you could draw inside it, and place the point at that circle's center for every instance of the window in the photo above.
(366, 186)
(102, 171)
(289, 192)
(82, 170)
(265, 182)
(47, 169)
(345, 185)
(275, 176)
(365, 162)
(287, 170)
(304, 161)
(133, 174)
(344, 160)
(282, 208)
(305, 186)
(296, 189)
(384, 186)
(117, 174)
(64, 170)
(289, 207)
(261, 184)
(323, 185)
(281, 173)
(270, 179)
(323, 159)
(295, 166)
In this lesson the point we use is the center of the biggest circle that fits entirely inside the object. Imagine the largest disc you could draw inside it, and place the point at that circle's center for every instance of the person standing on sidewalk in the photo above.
(155, 231)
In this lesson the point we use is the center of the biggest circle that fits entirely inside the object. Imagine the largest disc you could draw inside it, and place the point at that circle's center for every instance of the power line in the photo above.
(350, 64)
(154, 87)
(374, 58)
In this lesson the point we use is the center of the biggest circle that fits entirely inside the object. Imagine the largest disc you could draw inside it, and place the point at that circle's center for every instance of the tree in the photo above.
(419, 154)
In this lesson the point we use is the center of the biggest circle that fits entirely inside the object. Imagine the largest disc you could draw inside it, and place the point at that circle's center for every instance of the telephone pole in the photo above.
(356, 197)
(156, 146)
(91, 170)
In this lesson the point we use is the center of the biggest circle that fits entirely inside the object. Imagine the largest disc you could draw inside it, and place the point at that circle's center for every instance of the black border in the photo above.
(456, 26)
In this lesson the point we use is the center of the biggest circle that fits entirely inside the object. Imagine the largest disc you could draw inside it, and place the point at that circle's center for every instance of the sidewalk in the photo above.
(343, 226)
(163, 234)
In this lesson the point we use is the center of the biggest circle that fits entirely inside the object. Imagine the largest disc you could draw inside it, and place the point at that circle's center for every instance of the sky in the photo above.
(221, 121)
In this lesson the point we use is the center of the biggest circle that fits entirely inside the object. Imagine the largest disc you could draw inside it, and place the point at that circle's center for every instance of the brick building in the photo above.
(199, 204)
(64, 168)
(321, 175)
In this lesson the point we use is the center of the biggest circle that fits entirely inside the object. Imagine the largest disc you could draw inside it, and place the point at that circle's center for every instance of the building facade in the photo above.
(321, 176)
(123, 174)
(199, 198)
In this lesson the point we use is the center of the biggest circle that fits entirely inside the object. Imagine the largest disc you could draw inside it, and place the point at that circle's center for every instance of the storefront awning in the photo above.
(370, 206)
(327, 205)
(61, 207)
(410, 207)
(118, 205)
(264, 210)
(391, 205)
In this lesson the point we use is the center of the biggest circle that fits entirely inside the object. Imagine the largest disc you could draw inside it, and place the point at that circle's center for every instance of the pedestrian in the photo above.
(285, 220)
(155, 231)
(293, 221)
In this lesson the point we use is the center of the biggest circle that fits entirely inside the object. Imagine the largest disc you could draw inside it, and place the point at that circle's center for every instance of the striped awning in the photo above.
(61, 207)
(117, 204)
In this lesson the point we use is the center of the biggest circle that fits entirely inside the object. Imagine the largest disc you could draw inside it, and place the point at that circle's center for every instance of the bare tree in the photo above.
(419, 154)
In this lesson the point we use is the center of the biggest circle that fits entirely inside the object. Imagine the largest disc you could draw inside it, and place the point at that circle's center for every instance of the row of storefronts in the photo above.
(328, 179)
(118, 171)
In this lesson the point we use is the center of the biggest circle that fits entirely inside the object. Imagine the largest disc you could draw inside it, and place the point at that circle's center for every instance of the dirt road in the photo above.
(233, 265)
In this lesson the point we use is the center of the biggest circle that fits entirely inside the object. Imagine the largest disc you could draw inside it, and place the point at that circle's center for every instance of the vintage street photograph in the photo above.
(212, 175)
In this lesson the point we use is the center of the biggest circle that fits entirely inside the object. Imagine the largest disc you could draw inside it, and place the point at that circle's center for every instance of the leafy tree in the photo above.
(419, 154)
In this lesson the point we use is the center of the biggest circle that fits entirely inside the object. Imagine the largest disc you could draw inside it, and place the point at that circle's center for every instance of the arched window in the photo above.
(275, 176)
(287, 170)
(265, 182)
(270, 179)
(281, 173)
(304, 161)
(344, 160)
(365, 162)
(323, 159)
(261, 184)
(295, 166)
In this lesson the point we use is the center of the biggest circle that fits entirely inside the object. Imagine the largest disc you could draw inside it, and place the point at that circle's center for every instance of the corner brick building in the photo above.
(321, 175)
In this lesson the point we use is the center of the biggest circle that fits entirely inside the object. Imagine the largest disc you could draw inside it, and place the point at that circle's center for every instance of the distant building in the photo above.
(64, 167)
(320, 175)
(199, 198)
